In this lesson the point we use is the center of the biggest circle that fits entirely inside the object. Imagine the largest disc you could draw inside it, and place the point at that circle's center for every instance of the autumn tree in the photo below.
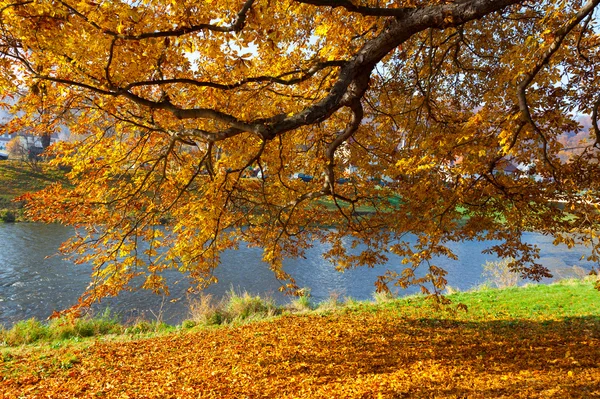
(16, 148)
(197, 117)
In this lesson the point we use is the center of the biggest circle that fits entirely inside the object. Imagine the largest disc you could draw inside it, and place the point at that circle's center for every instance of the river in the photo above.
(33, 283)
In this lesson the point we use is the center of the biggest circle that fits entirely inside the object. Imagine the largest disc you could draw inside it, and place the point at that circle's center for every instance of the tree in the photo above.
(401, 119)
(21, 147)
(16, 148)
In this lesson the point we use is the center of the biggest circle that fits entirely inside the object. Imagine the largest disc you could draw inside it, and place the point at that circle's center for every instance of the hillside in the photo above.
(18, 178)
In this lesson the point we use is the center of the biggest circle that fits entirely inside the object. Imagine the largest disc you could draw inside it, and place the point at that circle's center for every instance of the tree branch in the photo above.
(307, 74)
(363, 10)
(353, 78)
(528, 77)
(237, 26)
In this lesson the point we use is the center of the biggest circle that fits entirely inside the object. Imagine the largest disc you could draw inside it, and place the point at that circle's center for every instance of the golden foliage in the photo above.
(445, 120)
(355, 355)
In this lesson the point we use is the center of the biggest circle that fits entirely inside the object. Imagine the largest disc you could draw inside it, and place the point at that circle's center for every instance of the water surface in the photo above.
(33, 283)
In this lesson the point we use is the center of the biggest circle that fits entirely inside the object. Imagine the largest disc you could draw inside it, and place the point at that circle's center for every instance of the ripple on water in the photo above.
(32, 285)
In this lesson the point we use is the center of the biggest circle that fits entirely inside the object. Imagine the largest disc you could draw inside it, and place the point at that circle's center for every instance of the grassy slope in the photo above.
(539, 341)
(18, 178)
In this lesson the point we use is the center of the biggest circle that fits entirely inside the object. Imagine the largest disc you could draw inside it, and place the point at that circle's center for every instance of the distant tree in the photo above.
(16, 148)
(398, 115)
(21, 148)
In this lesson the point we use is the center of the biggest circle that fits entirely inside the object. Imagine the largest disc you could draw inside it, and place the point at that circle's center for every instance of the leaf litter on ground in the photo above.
(393, 350)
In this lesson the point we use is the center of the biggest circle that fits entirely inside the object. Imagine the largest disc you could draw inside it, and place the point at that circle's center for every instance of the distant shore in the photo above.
(18, 178)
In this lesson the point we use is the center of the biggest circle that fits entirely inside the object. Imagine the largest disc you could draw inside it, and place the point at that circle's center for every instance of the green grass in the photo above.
(18, 177)
(33, 331)
(535, 302)
(389, 204)
(566, 299)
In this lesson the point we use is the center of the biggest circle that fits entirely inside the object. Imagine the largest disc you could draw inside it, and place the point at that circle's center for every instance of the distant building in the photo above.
(29, 141)
(4, 139)
(507, 167)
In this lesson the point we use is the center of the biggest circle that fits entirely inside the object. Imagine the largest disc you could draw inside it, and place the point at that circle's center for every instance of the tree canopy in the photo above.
(445, 120)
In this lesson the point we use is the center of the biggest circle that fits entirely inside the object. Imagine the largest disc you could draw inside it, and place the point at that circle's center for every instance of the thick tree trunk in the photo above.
(46, 140)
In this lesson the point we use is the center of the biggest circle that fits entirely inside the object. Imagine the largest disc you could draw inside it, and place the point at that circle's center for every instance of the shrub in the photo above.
(204, 310)
(187, 324)
(573, 272)
(499, 274)
(8, 216)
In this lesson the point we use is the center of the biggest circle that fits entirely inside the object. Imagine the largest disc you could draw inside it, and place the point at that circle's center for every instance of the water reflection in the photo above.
(32, 285)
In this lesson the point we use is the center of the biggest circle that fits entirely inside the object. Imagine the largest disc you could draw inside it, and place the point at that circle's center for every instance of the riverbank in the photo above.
(537, 341)
(18, 178)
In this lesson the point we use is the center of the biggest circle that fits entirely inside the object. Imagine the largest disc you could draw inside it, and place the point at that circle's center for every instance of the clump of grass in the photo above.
(25, 332)
(32, 330)
(204, 310)
(332, 303)
(383, 297)
(302, 303)
(187, 324)
(69, 361)
(236, 307)
(244, 306)
(142, 327)
(84, 327)
(350, 303)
